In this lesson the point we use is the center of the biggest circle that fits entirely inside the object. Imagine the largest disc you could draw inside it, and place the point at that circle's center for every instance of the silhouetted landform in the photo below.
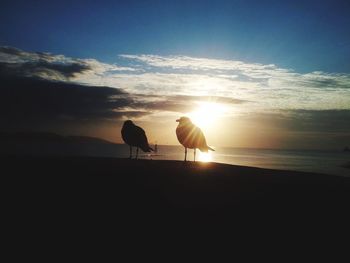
(140, 192)
(347, 165)
(46, 143)
(47, 137)
(346, 149)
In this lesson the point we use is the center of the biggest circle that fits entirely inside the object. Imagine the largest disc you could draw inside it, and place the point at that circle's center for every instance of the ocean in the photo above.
(329, 162)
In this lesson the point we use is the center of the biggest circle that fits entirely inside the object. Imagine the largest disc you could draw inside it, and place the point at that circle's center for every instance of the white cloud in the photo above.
(274, 101)
(266, 87)
(55, 67)
(184, 62)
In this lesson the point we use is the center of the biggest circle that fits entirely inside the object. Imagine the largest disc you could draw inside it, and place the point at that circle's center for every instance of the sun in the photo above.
(207, 114)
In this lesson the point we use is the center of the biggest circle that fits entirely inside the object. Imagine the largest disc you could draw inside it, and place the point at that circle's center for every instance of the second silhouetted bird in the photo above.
(190, 136)
(135, 136)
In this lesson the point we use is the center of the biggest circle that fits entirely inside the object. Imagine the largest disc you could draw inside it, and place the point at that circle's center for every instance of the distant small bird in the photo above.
(190, 136)
(135, 136)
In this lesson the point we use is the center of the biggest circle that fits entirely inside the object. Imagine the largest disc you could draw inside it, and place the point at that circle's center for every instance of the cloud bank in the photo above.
(39, 88)
(268, 86)
(265, 87)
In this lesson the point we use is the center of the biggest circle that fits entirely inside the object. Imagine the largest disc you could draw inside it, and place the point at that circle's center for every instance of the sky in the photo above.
(260, 74)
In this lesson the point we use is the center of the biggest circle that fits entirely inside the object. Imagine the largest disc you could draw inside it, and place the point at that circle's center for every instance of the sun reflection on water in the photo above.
(205, 157)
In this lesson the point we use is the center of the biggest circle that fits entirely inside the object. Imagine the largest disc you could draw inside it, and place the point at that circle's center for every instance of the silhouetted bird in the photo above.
(190, 136)
(135, 136)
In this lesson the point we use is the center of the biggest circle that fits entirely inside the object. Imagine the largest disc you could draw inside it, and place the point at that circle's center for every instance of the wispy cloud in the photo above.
(268, 86)
(52, 67)
(184, 62)
(42, 87)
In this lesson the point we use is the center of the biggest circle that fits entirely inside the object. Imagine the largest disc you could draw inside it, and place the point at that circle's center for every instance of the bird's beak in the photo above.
(178, 120)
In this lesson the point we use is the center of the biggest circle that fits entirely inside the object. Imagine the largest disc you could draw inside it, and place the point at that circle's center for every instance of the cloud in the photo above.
(52, 67)
(265, 87)
(33, 101)
(329, 121)
(177, 103)
(41, 88)
(270, 87)
(320, 121)
(292, 129)
(36, 90)
(29, 101)
(185, 62)
(44, 69)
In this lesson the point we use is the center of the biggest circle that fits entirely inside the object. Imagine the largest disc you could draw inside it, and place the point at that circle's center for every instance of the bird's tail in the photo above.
(146, 148)
(206, 149)
(209, 148)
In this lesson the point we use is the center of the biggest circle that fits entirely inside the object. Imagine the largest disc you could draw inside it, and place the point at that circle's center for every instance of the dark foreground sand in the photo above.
(347, 165)
(151, 192)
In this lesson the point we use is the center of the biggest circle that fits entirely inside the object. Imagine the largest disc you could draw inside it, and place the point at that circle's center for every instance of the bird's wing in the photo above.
(200, 138)
(142, 139)
(127, 135)
(140, 133)
(201, 142)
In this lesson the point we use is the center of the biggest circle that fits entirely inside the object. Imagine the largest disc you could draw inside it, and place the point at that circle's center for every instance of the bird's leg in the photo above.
(130, 156)
(185, 153)
(194, 153)
(137, 152)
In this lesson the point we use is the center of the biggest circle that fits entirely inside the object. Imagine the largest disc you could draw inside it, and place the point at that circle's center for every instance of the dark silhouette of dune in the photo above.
(47, 137)
(47, 143)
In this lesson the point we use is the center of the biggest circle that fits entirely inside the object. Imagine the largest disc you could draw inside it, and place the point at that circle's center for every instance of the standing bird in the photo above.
(135, 136)
(190, 136)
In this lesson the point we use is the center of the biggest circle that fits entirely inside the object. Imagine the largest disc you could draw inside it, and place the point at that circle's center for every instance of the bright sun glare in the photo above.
(205, 117)
(205, 157)
(207, 114)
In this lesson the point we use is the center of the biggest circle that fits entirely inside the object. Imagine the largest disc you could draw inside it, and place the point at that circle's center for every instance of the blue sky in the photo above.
(302, 35)
(267, 74)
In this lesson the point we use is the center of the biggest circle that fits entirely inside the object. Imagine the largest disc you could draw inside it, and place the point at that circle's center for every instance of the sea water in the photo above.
(329, 162)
